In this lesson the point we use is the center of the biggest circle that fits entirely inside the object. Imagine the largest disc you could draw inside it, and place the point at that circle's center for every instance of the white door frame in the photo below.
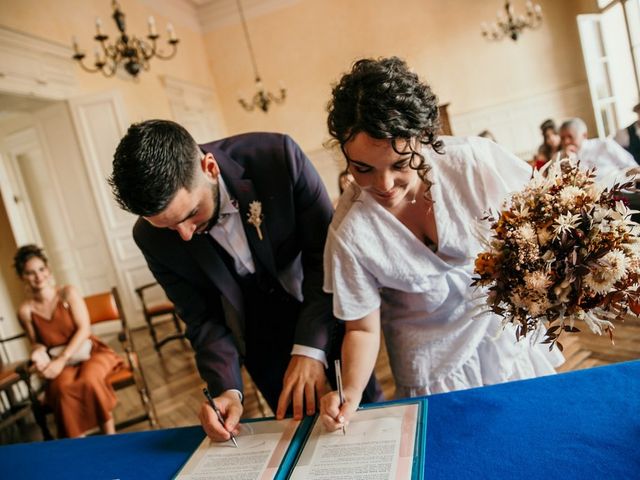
(14, 193)
(100, 120)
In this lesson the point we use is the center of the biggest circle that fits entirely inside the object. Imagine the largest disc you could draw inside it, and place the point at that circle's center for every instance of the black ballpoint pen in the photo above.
(218, 414)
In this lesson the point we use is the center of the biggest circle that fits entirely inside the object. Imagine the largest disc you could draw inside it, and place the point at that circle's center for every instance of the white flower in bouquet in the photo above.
(565, 223)
(537, 281)
(569, 195)
(527, 233)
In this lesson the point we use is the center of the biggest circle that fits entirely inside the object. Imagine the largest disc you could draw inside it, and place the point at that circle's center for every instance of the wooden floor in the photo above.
(586, 350)
(176, 388)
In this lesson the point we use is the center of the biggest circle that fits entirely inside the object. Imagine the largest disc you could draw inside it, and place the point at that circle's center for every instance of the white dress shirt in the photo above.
(609, 158)
(622, 136)
(230, 235)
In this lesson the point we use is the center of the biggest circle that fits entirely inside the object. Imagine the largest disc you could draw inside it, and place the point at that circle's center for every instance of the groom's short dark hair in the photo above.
(154, 160)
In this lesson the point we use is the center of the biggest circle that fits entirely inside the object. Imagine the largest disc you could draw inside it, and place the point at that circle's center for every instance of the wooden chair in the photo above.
(14, 405)
(155, 310)
(104, 307)
(12, 409)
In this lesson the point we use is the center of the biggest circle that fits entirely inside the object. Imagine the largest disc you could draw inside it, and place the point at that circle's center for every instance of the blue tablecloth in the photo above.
(579, 425)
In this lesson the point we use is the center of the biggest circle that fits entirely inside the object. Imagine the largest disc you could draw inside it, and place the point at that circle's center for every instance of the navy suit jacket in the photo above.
(271, 169)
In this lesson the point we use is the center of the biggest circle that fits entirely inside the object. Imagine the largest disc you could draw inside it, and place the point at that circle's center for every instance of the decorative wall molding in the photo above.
(33, 44)
(192, 95)
(182, 13)
(125, 247)
(136, 276)
(100, 120)
(221, 13)
(33, 66)
(195, 108)
(23, 139)
(516, 124)
(35, 178)
(13, 189)
(87, 243)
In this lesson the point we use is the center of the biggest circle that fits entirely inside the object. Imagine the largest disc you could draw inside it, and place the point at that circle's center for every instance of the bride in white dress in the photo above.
(401, 247)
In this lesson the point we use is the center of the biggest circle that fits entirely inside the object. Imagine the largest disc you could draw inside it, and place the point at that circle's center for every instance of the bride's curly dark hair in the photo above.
(387, 101)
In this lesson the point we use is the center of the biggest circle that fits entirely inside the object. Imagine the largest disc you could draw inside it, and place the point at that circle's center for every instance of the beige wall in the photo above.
(59, 20)
(308, 45)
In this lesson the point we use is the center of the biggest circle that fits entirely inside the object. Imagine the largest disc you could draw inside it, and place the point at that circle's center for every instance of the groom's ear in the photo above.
(209, 166)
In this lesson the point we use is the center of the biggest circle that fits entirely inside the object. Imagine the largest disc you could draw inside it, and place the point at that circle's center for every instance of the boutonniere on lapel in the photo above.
(254, 217)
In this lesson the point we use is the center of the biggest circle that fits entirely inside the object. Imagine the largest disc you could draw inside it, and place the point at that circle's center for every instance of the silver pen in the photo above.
(218, 414)
(336, 363)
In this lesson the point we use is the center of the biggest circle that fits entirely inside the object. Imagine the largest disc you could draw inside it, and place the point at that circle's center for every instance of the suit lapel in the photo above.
(207, 257)
(243, 191)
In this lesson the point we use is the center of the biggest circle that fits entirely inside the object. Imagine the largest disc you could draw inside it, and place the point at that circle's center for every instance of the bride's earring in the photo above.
(415, 194)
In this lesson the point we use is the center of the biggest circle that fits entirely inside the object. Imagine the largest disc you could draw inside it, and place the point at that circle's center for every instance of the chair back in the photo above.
(104, 307)
(153, 299)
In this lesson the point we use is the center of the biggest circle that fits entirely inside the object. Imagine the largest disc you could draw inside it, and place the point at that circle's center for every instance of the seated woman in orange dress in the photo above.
(76, 388)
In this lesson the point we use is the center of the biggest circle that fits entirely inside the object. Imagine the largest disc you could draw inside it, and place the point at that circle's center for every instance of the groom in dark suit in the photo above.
(234, 231)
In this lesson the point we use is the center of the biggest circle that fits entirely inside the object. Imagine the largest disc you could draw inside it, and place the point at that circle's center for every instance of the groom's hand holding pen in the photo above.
(220, 417)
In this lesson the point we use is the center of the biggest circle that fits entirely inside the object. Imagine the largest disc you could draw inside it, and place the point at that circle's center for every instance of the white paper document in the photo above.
(379, 445)
(261, 448)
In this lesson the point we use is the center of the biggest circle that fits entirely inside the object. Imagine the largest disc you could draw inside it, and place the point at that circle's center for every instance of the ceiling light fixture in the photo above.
(127, 50)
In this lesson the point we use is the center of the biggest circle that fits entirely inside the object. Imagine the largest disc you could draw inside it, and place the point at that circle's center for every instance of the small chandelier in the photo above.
(133, 53)
(512, 25)
(262, 98)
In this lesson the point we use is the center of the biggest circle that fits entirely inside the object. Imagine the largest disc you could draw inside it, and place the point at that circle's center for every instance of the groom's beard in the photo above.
(215, 194)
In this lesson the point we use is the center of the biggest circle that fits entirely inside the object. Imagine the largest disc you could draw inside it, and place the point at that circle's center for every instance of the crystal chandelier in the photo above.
(262, 98)
(512, 25)
(127, 50)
